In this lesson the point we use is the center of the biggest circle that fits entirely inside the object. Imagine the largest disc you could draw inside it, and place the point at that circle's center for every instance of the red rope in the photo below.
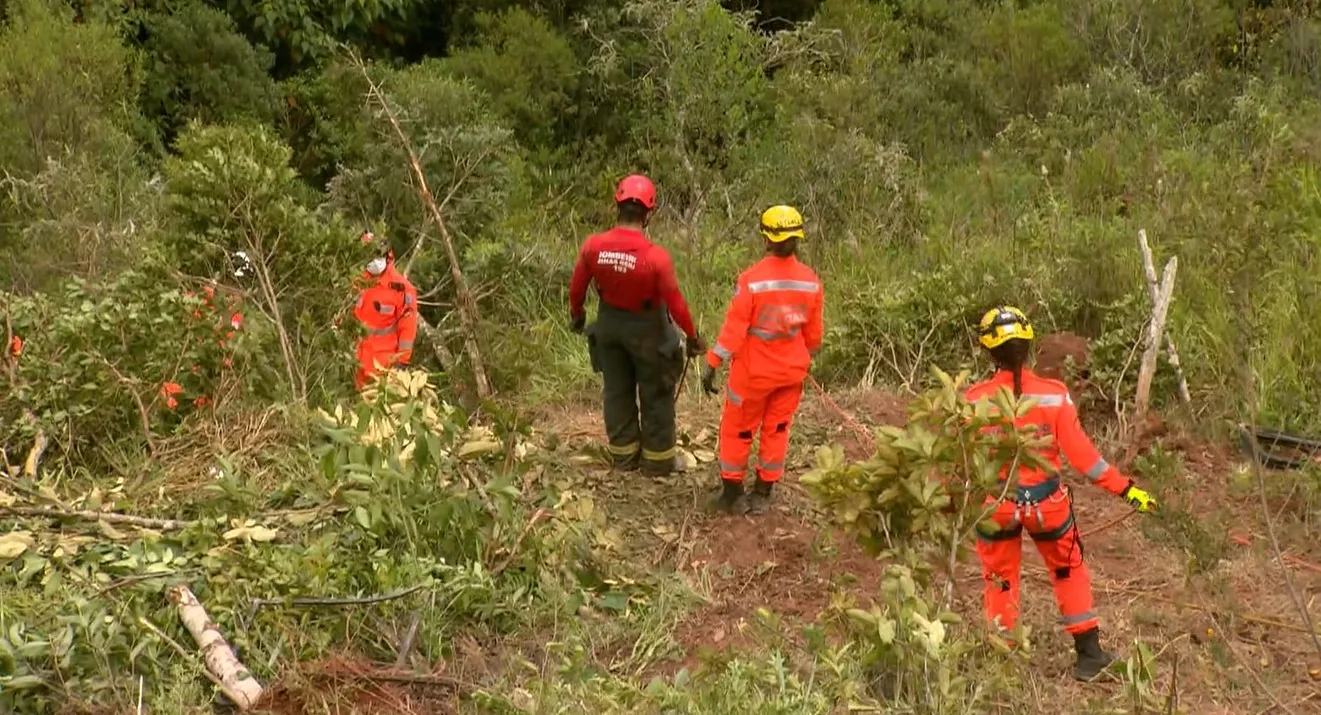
(862, 431)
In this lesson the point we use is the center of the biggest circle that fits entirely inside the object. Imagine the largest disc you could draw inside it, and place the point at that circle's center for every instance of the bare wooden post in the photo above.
(1155, 331)
(1149, 265)
(468, 313)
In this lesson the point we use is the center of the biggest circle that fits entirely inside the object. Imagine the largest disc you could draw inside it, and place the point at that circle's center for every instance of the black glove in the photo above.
(696, 346)
(578, 324)
(709, 379)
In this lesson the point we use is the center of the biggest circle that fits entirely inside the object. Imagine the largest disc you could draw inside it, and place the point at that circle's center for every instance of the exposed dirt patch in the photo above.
(1054, 353)
(342, 683)
(777, 561)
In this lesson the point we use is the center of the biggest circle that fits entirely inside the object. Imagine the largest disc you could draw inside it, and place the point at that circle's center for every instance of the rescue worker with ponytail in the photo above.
(1043, 505)
(772, 330)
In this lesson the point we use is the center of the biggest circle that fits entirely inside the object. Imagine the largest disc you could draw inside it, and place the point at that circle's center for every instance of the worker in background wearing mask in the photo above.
(387, 309)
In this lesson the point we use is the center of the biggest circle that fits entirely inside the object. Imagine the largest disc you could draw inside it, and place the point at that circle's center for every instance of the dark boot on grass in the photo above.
(1092, 661)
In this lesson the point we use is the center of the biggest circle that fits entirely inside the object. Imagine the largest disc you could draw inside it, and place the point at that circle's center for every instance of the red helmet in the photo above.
(636, 187)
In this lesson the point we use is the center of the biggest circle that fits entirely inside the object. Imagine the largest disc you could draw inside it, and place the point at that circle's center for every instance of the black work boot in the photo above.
(657, 467)
(760, 500)
(1092, 661)
(631, 463)
(731, 500)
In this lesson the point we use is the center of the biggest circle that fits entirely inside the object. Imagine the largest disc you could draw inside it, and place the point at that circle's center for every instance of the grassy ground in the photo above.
(1198, 590)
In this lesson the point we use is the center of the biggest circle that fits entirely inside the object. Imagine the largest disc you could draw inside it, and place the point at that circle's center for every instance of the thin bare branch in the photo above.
(468, 311)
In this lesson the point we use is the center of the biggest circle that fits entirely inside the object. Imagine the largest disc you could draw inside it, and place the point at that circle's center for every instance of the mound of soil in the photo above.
(1054, 353)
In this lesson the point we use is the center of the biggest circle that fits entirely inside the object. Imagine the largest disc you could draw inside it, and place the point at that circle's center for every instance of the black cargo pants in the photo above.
(640, 357)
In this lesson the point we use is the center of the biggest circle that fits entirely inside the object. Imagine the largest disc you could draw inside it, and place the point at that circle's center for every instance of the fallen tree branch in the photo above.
(234, 679)
(34, 455)
(314, 601)
(108, 517)
(187, 656)
(406, 645)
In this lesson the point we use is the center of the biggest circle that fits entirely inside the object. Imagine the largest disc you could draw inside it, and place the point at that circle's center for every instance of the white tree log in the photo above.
(1149, 266)
(237, 683)
(1155, 330)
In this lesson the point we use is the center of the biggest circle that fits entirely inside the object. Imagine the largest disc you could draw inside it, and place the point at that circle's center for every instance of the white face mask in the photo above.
(377, 266)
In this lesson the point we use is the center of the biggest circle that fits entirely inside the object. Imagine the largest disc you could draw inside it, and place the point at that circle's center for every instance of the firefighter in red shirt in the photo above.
(772, 329)
(1042, 504)
(634, 343)
(387, 309)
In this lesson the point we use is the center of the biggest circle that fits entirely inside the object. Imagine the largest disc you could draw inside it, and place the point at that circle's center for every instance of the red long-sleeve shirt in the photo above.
(631, 274)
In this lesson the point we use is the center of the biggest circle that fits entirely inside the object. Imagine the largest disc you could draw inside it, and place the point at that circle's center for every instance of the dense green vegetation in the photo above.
(948, 154)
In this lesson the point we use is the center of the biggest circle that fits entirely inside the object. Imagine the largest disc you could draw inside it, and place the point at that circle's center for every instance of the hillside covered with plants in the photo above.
(183, 187)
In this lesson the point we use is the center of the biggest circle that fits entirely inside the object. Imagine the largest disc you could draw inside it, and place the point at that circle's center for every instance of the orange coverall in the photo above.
(1044, 507)
(772, 328)
(387, 308)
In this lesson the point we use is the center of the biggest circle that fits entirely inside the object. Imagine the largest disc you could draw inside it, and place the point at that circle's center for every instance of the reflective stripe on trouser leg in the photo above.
(1056, 537)
(776, 421)
(737, 422)
(619, 401)
(1001, 560)
(657, 376)
(623, 451)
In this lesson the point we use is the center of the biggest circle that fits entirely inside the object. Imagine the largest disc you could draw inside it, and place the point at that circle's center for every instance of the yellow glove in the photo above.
(1140, 500)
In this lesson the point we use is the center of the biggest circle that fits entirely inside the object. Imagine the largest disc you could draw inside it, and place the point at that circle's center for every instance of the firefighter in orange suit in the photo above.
(387, 309)
(772, 329)
(1042, 505)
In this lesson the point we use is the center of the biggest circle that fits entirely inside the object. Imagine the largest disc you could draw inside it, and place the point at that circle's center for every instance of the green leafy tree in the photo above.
(67, 87)
(71, 185)
(304, 33)
(529, 71)
(689, 83)
(199, 67)
(232, 190)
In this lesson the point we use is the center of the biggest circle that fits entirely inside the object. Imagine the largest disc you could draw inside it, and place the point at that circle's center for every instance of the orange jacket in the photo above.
(772, 327)
(387, 308)
(1054, 414)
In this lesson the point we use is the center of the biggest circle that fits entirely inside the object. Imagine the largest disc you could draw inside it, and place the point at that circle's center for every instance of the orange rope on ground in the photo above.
(862, 431)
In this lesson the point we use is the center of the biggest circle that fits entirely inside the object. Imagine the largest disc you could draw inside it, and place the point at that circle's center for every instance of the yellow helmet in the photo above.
(1001, 324)
(781, 223)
